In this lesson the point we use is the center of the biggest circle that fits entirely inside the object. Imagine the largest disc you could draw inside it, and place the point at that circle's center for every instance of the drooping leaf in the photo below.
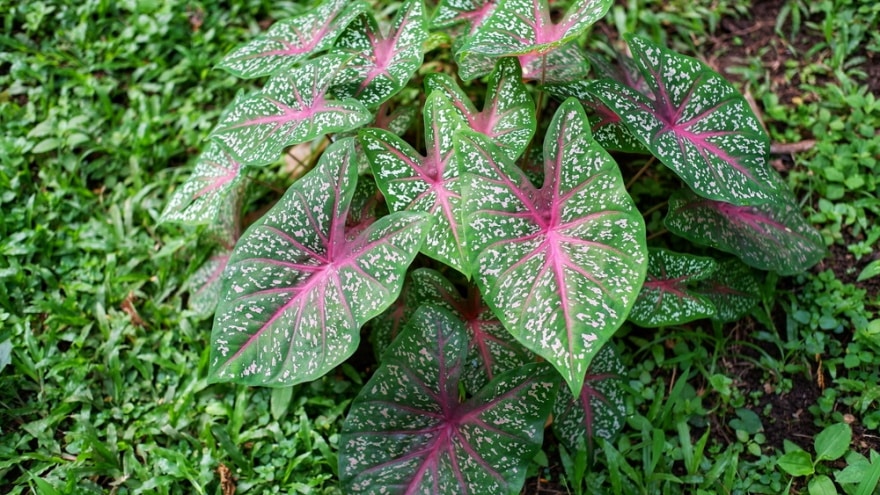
(297, 290)
(770, 236)
(696, 123)
(508, 115)
(491, 348)
(292, 40)
(214, 182)
(519, 27)
(562, 64)
(599, 410)
(291, 108)
(668, 296)
(409, 431)
(411, 182)
(608, 130)
(732, 289)
(561, 265)
(205, 284)
(381, 63)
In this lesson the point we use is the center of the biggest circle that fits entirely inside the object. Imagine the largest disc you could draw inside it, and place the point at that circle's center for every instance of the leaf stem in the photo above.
(654, 208)
(538, 108)
(640, 172)
(656, 234)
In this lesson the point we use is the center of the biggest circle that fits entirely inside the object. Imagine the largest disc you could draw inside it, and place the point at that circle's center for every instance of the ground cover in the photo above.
(104, 107)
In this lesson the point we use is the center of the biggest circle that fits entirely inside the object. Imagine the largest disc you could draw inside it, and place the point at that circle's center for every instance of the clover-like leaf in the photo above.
(410, 431)
(770, 236)
(291, 108)
(518, 27)
(508, 115)
(599, 410)
(297, 289)
(561, 265)
(206, 283)
(668, 296)
(214, 182)
(292, 40)
(381, 64)
(696, 123)
(732, 289)
(428, 183)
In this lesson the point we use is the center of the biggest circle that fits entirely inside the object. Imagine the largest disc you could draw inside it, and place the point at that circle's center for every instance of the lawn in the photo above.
(104, 347)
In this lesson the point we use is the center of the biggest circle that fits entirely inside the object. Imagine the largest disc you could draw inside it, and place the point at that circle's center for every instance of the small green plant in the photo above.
(531, 245)
(861, 476)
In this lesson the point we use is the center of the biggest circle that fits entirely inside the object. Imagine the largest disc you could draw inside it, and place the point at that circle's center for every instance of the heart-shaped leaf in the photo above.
(297, 290)
(560, 265)
(508, 115)
(381, 64)
(205, 284)
(215, 181)
(696, 123)
(292, 40)
(410, 431)
(519, 27)
(412, 182)
(770, 236)
(599, 410)
(491, 348)
(562, 64)
(668, 296)
(291, 108)
(732, 289)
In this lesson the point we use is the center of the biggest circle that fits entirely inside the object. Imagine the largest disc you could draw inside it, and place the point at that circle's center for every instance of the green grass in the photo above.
(104, 105)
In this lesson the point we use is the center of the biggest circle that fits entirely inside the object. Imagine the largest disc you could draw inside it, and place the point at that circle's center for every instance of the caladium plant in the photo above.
(533, 252)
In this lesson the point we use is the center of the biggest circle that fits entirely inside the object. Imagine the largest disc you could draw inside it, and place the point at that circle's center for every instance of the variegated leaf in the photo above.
(398, 120)
(560, 265)
(519, 27)
(410, 432)
(668, 296)
(292, 108)
(296, 290)
(215, 181)
(770, 236)
(470, 12)
(508, 115)
(292, 40)
(563, 64)
(205, 284)
(733, 290)
(381, 64)
(599, 410)
(696, 123)
(411, 182)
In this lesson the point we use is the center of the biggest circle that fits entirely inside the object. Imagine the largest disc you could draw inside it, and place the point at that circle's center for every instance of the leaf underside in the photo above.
(297, 289)
(291, 108)
(771, 237)
(560, 265)
(732, 289)
(206, 283)
(668, 296)
(292, 40)
(696, 123)
(409, 431)
(600, 409)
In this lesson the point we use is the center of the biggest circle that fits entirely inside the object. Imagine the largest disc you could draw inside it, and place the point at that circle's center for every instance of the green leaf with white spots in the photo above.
(297, 288)
(695, 123)
(732, 289)
(216, 180)
(412, 182)
(381, 63)
(519, 27)
(508, 115)
(560, 265)
(563, 64)
(410, 431)
(668, 296)
(205, 284)
(771, 236)
(292, 40)
(292, 108)
(471, 12)
(600, 410)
